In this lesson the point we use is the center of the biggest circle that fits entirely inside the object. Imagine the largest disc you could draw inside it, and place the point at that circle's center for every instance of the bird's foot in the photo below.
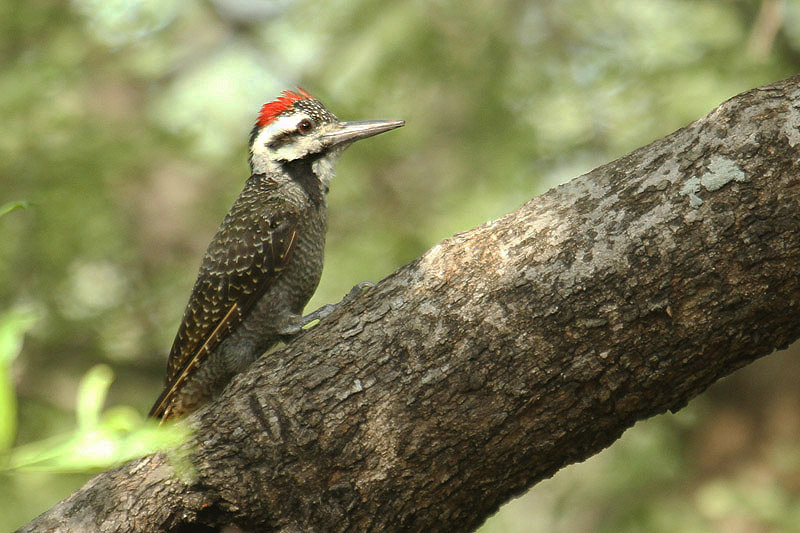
(355, 292)
(326, 310)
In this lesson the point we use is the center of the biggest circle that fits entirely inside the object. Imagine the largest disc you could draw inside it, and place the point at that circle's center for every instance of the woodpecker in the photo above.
(265, 261)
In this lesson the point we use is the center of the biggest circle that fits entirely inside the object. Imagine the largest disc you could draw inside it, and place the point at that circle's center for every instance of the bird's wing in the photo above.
(241, 263)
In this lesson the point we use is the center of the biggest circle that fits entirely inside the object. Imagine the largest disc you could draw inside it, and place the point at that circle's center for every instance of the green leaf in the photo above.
(13, 206)
(92, 393)
(102, 447)
(102, 439)
(13, 326)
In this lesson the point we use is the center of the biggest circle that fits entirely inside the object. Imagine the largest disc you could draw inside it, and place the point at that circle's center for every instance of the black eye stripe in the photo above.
(280, 140)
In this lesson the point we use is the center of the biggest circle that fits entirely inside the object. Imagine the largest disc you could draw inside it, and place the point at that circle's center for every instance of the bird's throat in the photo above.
(306, 173)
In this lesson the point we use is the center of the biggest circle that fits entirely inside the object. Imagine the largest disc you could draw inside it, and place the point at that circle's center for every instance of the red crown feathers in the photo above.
(271, 110)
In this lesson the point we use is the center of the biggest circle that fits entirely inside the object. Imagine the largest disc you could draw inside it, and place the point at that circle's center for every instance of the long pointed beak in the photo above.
(361, 129)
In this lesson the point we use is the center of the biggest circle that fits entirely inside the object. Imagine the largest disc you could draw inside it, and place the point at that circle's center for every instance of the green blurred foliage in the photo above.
(13, 325)
(102, 439)
(126, 123)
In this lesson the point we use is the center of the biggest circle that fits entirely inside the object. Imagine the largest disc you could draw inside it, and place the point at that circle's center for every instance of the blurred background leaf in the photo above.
(9, 207)
(13, 325)
(126, 123)
(101, 439)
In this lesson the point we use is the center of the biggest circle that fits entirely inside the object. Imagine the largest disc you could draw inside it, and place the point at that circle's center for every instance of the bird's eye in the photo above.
(305, 126)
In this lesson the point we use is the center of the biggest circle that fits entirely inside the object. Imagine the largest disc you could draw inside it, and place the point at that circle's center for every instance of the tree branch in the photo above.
(505, 352)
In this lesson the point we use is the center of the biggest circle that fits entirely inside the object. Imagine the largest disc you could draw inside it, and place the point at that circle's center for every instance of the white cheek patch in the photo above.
(272, 130)
(296, 149)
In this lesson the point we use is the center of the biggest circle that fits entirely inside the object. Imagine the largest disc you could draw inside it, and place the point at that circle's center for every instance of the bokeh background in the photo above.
(124, 123)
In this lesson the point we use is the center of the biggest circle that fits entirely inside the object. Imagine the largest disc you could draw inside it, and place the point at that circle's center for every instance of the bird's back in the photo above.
(260, 270)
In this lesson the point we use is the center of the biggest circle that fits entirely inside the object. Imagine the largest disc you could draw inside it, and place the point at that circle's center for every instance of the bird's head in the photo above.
(296, 126)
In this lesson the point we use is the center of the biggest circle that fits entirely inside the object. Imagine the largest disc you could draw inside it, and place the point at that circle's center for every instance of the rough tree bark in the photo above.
(505, 352)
